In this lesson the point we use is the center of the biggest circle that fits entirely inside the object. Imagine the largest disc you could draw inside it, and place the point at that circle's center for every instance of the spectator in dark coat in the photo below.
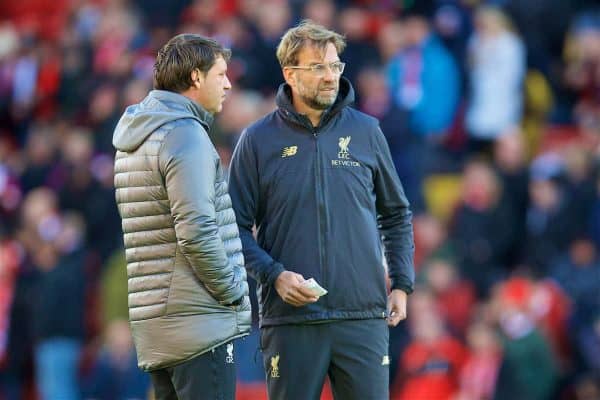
(550, 220)
(58, 313)
(578, 273)
(114, 374)
(511, 166)
(482, 227)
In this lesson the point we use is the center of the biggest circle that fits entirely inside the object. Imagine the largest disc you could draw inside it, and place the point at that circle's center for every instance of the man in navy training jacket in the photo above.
(316, 178)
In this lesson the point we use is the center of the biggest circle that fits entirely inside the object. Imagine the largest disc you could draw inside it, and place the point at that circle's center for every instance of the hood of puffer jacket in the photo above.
(158, 108)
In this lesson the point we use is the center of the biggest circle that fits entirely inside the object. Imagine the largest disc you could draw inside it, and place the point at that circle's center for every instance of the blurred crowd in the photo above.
(492, 113)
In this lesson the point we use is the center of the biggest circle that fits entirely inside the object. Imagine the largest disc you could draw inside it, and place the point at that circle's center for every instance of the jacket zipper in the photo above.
(321, 211)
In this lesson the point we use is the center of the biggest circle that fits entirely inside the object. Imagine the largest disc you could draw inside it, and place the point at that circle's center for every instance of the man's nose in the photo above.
(329, 75)
(227, 83)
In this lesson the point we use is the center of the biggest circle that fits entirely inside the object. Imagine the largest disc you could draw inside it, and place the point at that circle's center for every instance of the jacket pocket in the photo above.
(243, 306)
(354, 177)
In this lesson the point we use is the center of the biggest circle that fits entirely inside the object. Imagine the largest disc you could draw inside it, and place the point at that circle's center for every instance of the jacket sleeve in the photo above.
(188, 164)
(394, 218)
(245, 197)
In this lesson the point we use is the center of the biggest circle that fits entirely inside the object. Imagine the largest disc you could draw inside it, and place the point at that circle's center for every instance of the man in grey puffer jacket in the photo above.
(188, 294)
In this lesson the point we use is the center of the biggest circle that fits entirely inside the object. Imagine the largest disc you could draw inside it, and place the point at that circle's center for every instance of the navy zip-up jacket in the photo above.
(322, 200)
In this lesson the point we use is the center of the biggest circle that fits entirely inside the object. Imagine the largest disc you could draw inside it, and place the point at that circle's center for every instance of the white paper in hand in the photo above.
(314, 287)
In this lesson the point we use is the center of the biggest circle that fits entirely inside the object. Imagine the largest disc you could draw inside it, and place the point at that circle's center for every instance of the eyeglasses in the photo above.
(319, 69)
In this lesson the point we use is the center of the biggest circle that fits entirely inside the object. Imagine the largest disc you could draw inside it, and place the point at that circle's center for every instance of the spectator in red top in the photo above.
(455, 297)
(480, 371)
(432, 360)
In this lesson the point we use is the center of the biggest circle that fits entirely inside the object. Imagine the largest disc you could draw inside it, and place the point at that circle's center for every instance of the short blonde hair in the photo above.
(307, 33)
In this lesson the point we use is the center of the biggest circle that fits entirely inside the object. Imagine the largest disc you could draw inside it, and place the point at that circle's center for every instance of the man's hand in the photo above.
(289, 286)
(396, 307)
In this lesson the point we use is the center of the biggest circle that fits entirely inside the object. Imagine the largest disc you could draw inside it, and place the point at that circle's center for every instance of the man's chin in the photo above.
(326, 104)
(319, 102)
(320, 106)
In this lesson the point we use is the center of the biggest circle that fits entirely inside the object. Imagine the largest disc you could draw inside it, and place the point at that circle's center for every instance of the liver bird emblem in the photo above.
(275, 366)
(343, 143)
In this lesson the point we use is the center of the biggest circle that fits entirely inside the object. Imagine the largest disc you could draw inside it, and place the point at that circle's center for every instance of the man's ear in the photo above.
(197, 77)
(289, 76)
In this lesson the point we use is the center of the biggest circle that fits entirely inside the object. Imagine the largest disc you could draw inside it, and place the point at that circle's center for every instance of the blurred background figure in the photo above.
(479, 373)
(58, 309)
(455, 297)
(550, 218)
(582, 72)
(482, 227)
(424, 79)
(528, 369)
(356, 24)
(430, 365)
(496, 58)
(510, 164)
(588, 345)
(114, 374)
(425, 85)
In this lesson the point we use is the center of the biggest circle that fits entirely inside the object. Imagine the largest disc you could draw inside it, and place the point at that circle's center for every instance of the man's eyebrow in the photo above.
(322, 62)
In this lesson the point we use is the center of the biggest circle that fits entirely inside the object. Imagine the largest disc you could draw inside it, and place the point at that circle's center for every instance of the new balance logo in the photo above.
(289, 151)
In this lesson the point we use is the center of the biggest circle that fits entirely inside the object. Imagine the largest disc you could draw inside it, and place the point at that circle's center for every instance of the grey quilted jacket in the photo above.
(185, 266)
